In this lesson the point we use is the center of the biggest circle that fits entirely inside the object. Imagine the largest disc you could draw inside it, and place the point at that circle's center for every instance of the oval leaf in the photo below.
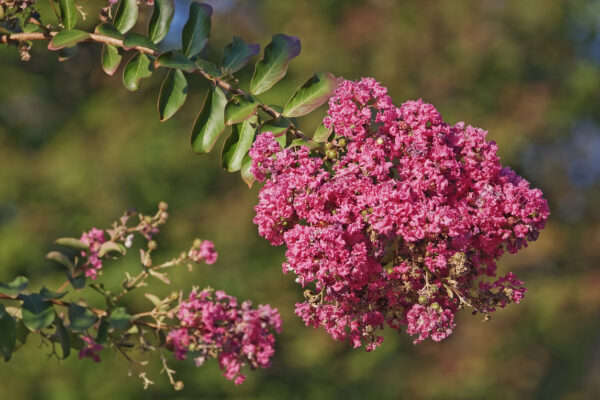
(239, 109)
(110, 59)
(238, 143)
(38, 313)
(77, 281)
(173, 93)
(17, 286)
(68, 13)
(209, 67)
(110, 247)
(67, 38)
(278, 127)
(126, 15)
(312, 94)
(175, 59)
(322, 134)
(247, 175)
(108, 30)
(61, 259)
(210, 122)
(274, 64)
(63, 338)
(161, 18)
(8, 335)
(138, 67)
(238, 53)
(49, 294)
(119, 319)
(72, 243)
(81, 318)
(134, 40)
(197, 29)
(102, 331)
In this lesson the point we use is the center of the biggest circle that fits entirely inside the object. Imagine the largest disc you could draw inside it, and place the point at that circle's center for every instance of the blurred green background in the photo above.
(76, 149)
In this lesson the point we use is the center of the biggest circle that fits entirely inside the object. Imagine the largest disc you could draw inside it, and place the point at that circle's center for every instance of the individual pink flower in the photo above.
(90, 349)
(203, 252)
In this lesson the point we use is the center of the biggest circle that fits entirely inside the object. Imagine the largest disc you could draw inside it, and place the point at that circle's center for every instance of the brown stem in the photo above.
(98, 38)
(100, 313)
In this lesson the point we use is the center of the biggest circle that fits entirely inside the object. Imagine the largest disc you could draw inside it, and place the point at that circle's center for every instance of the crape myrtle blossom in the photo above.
(400, 219)
(93, 264)
(214, 325)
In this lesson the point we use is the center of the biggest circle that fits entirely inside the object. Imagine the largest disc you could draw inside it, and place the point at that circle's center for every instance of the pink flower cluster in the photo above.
(214, 325)
(90, 349)
(396, 219)
(94, 239)
(204, 251)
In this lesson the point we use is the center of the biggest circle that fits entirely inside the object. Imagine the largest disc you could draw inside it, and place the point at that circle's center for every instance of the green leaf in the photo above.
(126, 15)
(274, 64)
(175, 59)
(173, 93)
(161, 18)
(67, 38)
(111, 247)
(108, 30)
(49, 294)
(72, 243)
(278, 127)
(22, 332)
(210, 122)
(197, 29)
(63, 338)
(239, 109)
(81, 318)
(133, 40)
(322, 134)
(102, 331)
(238, 53)
(77, 281)
(119, 318)
(238, 143)
(8, 335)
(138, 67)
(247, 176)
(17, 286)
(38, 313)
(67, 53)
(312, 94)
(61, 259)
(110, 59)
(302, 142)
(68, 13)
(209, 67)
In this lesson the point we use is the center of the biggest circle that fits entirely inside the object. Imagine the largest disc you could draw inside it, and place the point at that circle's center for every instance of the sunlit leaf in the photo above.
(239, 109)
(138, 67)
(175, 59)
(134, 40)
(109, 30)
(18, 285)
(210, 122)
(197, 29)
(161, 18)
(68, 13)
(110, 59)
(67, 38)
(312, 94)
(126, 15)
(238, 143)
(238, 53)
(273, 67)
(173, 93)
(72, 243)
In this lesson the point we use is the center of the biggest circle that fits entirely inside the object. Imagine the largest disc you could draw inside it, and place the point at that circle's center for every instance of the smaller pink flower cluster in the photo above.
(94, 239)
(214, 325)
(203, 251)
(90, 349)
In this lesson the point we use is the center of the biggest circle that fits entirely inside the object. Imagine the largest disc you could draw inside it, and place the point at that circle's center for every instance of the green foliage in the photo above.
(173, 93)
(240, 108)
(8, 334)
(80, 318)
(238, 143)
(197, 29)
(67, 38)
(273, 67)
(210, 123)
(38, 312)
(312, 94)
(138, 67)
(15, 287)
(131, 40)
(110, 59)
(161, 18)
(68, 13)
(238, 53)
(175, 59)
(126, 15)
(72, 243)
(119, 318)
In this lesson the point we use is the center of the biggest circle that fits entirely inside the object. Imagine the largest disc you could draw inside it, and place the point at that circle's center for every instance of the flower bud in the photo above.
(331, 154)
(152, 245)
(162, 206)
(328, 146)
(435, 306)
(422, 299)
(342, 142)
(379, 141)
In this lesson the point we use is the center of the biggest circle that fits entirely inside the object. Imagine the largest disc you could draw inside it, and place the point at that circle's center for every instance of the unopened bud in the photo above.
(342, 142)
(162, 206)
(422, 299)
(331, 154)
(197, 243)
(152, 245)
(379, 141)
(328, 146)
(178, 385)
(435, 306)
